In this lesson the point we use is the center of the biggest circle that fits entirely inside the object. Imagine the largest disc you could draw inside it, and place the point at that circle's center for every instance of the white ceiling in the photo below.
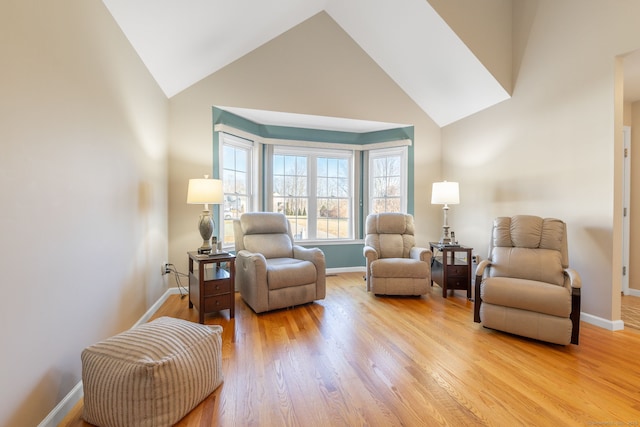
(311, 122)
(184, 41)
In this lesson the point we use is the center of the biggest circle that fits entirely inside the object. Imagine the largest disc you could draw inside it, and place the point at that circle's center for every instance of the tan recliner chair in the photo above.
(526, 286)
(395, 265)
(271, 271)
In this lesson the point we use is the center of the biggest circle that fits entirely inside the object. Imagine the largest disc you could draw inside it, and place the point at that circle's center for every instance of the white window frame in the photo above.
(312, 155)
(253, 149)
(403, 153)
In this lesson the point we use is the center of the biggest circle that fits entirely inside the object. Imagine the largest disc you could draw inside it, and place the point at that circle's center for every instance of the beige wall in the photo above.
(550, 149)
(83, 190)
(315, 68)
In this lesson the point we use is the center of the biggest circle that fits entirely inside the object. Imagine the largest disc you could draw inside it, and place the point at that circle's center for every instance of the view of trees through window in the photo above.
(236, 181)
(313, 187)
(334, 198)
(386, 182)
(314, 191)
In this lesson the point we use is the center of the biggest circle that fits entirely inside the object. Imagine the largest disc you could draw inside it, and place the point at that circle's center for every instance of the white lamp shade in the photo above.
(445, 193)
(204, 191)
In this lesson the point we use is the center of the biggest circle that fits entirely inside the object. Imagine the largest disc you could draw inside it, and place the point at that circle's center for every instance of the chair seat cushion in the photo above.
(400, 267)
(527, 295)
(286, 272)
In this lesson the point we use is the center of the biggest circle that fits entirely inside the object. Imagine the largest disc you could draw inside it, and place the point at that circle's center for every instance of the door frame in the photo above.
(626, 215)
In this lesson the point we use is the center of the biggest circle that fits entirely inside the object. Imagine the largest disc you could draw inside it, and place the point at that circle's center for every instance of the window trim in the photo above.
(403, 152)
(312, 153)
(253, 171)
(264, 148)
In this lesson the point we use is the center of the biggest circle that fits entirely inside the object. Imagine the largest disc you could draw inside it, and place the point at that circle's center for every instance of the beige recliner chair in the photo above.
(271, 271)
(395, 265)
(526, 286)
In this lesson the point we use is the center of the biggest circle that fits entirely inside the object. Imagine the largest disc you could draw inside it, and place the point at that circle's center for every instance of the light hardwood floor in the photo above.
(355, 359)
(630, 311)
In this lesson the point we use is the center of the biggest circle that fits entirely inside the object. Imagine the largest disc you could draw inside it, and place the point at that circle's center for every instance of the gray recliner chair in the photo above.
(394, 264)
(271, 271)
(526, 286)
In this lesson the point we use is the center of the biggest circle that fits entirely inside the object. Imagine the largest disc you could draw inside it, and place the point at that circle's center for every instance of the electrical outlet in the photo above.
(164, 268)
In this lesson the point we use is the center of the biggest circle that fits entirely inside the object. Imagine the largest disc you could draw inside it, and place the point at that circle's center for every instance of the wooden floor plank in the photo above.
(357, 359)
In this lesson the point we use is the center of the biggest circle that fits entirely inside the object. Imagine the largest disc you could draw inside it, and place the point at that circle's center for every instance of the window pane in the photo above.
(343, 188)
(241, 160)
(236, 181)
(329, 185)
(301, 186)
(393, 186)
(393, 165)
(289, 165)
(379, 187)
(343, 168)
(278, 165)
(322, 167)
(301, 166)
(322, 187)
(278, 186)
(386, 182)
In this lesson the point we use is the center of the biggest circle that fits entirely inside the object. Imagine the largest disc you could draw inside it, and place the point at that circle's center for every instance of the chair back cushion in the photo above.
(529, 247)
(390, 234)
(267, 233)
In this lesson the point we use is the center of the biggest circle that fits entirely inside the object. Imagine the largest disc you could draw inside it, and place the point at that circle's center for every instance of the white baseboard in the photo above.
(145, 317)
(61, 410)
(345, 270)
(611, 325)
(634, 292)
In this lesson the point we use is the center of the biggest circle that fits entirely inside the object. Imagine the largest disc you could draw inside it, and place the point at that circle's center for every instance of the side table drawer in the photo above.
(457, 270)
(457, 283)
(217, 302)
(217, 287)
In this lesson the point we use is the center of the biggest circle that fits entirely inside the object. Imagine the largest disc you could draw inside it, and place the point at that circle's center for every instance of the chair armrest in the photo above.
(251, 279)
(316, 256)
(483, 264)
(421, 254)
(574, 278)
(253, 257)
(477, 300)
(370, 253)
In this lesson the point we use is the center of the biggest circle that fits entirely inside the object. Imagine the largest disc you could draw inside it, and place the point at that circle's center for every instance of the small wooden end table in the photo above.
(211, 287)
(452, 268)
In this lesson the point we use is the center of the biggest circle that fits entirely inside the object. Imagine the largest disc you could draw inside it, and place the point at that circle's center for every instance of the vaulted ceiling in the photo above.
(182, 42)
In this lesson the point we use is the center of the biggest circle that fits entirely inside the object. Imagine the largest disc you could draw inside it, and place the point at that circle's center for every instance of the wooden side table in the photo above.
(211, 287)
(452, 268)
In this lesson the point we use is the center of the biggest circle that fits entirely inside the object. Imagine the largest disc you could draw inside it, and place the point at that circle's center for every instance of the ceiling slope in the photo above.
(182, 42)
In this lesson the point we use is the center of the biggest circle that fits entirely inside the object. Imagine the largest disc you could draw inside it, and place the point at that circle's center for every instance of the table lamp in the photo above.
(445, 193)
(205, 191)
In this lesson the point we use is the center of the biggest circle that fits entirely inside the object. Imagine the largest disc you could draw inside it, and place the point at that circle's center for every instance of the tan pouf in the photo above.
(151, 375)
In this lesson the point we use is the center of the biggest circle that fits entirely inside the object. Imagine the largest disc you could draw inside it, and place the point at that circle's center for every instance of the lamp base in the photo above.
(445, 239)
(206, 226)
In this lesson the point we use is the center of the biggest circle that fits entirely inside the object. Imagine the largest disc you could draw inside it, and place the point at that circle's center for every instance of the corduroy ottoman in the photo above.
(151, 375)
